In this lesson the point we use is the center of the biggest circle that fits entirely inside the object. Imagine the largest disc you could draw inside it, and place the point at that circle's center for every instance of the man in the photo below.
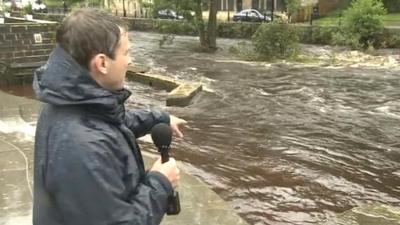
(88, 166)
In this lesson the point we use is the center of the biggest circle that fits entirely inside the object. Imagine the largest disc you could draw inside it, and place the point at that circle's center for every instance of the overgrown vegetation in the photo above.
(276, 40)
(237, 30)
(362, 24)
(28, 9)
(271, 41)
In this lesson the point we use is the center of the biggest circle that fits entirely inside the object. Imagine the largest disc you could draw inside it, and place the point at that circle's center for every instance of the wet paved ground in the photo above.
(199, 204)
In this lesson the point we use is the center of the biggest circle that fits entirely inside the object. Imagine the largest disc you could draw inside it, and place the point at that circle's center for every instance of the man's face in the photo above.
(118, 66)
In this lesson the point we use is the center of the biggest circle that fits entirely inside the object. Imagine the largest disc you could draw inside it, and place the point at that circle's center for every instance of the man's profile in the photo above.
(88, 168)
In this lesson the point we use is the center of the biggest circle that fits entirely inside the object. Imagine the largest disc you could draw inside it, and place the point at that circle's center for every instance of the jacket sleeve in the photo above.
(87, 182)
(140, 122)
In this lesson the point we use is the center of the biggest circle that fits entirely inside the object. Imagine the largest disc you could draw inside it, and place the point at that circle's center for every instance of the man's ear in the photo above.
(99, 63)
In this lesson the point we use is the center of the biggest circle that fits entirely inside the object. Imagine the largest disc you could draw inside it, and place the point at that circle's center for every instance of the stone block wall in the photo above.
(18, 43)
(24, 46)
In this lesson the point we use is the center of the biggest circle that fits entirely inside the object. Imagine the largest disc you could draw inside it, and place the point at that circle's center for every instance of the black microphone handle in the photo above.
(164, 156)
(173, 205)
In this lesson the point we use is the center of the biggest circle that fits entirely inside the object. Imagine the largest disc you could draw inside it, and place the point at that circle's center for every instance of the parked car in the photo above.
(251, 15)
(168, 14)
(39, 7)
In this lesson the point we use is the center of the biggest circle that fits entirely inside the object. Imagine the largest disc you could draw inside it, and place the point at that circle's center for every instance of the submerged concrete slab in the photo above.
(153, 80)
(199, 204)
(181, 93)
(139, 69)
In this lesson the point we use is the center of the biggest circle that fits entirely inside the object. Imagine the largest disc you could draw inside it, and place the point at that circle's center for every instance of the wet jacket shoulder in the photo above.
(88, 167)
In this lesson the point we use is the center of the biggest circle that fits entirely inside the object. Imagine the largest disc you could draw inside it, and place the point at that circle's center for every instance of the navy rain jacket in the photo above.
(88, 167)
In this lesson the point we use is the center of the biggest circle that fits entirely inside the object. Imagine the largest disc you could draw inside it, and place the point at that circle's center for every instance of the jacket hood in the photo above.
(62, 82)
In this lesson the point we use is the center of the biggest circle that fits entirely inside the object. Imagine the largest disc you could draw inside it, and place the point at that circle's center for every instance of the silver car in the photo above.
(251, 15)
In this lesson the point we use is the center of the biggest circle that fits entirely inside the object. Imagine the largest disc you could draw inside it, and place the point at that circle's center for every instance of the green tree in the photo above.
(211, 40)
(275, 41)
(363, 22)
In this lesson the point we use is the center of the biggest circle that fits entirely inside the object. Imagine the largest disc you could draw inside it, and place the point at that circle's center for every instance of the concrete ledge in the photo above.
(153, 80)
(181, 93)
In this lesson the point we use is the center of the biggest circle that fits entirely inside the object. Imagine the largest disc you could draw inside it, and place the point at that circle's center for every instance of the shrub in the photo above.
(7, 8)
(275, 41)
(363, 22)
(28, 9)
(340, 39)
(323, 34)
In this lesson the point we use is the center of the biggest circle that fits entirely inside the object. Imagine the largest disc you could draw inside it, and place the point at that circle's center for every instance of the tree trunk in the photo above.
(123, 8)
(212, 25)
(200, 24)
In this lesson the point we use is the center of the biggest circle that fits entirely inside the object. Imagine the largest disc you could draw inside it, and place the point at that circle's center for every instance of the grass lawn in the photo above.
(53, 3)
(392, 19)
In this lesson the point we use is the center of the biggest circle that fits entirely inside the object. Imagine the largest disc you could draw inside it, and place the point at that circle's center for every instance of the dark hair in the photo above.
(87, 32)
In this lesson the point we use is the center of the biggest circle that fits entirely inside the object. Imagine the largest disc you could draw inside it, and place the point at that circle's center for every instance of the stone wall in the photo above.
(24, 46)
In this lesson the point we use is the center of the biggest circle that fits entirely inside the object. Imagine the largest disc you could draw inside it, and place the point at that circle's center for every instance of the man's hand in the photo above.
(176, 123)
(169, 169)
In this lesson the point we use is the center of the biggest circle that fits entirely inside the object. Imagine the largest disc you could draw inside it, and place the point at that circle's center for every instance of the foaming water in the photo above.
(18, 113)
(17, 220)
(283, 143)
(25, 131)
(287, 143)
